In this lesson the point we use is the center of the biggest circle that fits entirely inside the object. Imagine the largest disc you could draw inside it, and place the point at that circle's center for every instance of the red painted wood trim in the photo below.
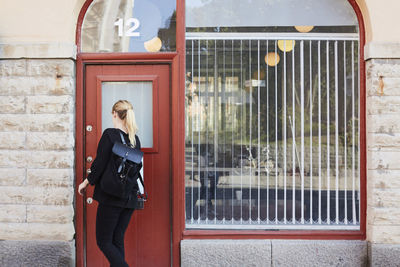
(126, 78)
(128, 62)
(363, 127)
(78, 31)
(161, 56)
(97, 125)
(178, 135)
(79, 200)
(260, 234)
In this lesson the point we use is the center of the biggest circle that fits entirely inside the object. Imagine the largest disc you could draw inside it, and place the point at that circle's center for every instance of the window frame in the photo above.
(312, 234)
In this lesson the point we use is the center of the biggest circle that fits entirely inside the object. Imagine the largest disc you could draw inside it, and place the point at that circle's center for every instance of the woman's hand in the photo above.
(83, 186)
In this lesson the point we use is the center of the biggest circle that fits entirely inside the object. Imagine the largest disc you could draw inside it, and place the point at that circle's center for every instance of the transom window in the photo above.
(129, 26)
(272, 115)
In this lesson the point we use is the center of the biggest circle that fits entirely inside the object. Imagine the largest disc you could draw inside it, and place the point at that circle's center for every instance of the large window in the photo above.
(272, 108)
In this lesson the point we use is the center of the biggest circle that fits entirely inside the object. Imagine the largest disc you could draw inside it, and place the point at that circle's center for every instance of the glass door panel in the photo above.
(140, 94)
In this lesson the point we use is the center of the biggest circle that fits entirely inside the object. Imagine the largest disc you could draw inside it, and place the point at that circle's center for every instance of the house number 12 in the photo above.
(131, 31)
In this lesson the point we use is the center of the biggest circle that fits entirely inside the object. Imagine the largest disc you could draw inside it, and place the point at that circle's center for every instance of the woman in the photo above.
(113, 213)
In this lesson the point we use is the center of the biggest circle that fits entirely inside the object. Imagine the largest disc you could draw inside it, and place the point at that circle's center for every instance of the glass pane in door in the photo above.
(140, 94)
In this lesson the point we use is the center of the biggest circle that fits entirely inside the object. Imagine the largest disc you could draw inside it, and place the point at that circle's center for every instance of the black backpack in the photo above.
(121, 179)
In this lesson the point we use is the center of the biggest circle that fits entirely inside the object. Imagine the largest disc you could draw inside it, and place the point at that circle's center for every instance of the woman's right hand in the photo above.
(83, 186)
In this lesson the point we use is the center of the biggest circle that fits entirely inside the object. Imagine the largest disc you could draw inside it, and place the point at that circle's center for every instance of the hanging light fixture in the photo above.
(304, 28)
(153, 45)
(286, 45)
(272, 59)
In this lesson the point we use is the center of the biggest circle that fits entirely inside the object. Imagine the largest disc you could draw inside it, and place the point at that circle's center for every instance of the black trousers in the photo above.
(111, 224)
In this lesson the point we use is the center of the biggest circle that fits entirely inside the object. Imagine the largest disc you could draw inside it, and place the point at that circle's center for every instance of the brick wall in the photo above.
(37, 149)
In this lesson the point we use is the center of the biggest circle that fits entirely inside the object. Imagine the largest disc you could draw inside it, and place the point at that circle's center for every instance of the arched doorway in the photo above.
(127, 50)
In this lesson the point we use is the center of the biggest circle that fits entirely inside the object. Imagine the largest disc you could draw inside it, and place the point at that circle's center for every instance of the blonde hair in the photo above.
(125, 112)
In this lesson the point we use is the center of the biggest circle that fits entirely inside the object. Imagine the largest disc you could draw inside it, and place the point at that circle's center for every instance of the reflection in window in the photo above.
(272, 127)
(129, 26)
(268, 13)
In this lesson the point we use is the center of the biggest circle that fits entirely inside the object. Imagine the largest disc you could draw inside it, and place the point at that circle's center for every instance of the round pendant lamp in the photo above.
(272, 59)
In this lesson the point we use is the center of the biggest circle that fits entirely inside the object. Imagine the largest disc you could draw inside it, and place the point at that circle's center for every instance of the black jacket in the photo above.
(99, 165)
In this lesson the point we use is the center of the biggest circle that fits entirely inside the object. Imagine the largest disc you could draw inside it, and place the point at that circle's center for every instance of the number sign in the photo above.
(132, 24)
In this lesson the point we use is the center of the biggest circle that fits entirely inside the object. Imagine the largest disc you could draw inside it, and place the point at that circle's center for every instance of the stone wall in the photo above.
(383, 141)
(37, 149)
(383, 174)
(250, 252)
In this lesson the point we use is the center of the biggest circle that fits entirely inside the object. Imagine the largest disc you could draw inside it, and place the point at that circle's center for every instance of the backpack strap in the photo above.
(144, 195)
(122, 138)
(121, 166)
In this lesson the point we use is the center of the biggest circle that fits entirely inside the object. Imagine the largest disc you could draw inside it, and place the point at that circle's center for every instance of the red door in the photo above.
(148, 237)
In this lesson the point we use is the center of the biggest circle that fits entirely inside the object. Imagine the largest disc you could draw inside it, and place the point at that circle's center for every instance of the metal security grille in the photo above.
(272, 135)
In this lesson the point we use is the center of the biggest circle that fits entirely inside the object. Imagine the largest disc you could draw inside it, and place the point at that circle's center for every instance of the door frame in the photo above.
(177, 139)
(177, 119)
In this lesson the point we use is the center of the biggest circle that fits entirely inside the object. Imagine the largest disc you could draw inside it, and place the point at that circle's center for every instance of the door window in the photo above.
(140, 94)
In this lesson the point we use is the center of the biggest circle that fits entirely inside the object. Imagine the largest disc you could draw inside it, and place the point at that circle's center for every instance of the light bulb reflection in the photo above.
(153, 45)
(272, 59)
(304, 28)
(286, 45)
